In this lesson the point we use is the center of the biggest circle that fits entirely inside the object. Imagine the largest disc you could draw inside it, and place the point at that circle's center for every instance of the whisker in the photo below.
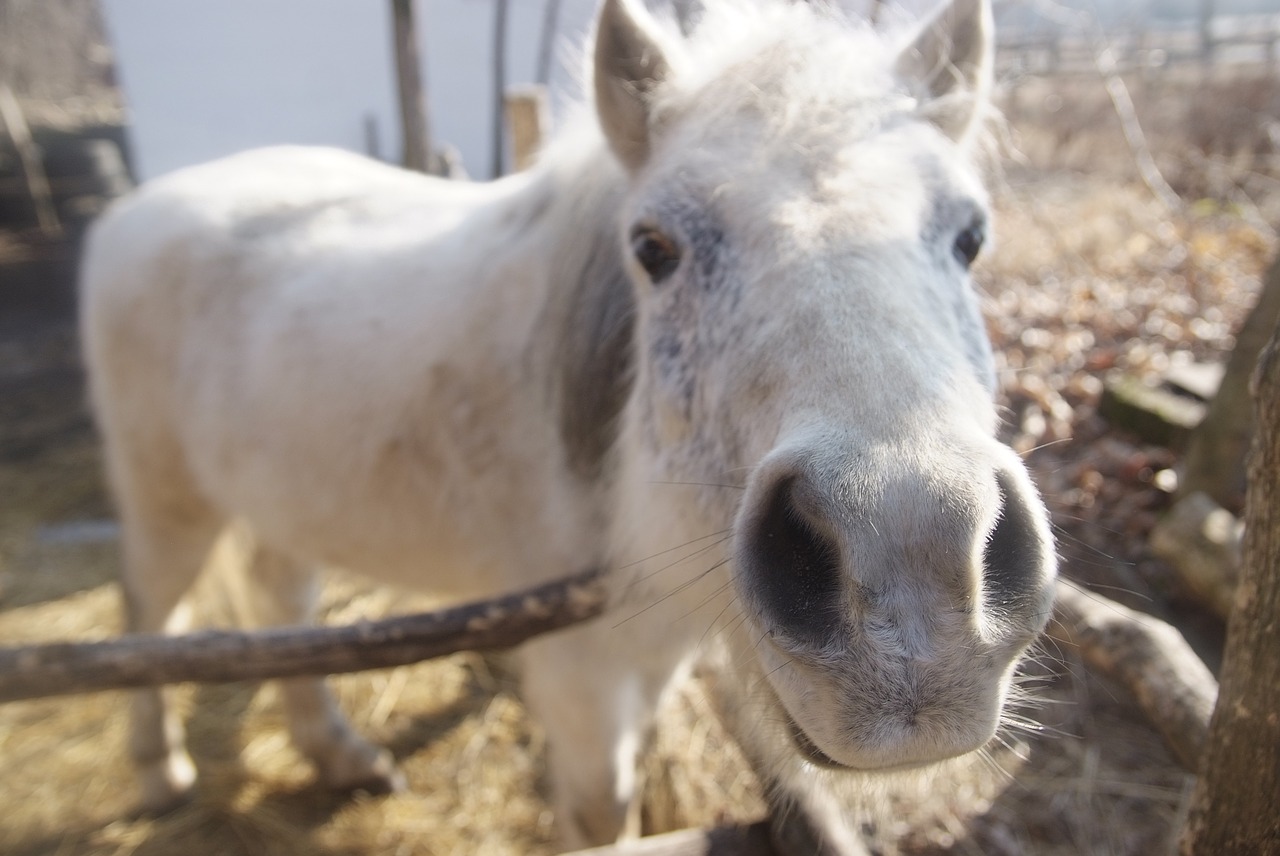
(646, 577)
(712, 625)
(1091, 523)
(988, 760)
(701, 484)
(672, 549)
(706, 600)
(737, 624)
(1123, 590)
(763, 678)
(1034, 449)
(1076, 541)
(675, 591)
(1021, 755)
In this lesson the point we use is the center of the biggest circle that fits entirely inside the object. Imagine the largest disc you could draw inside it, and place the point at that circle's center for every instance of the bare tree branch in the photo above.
(15, 122)
(223, 656)
(1173, 687)
(1129, 124)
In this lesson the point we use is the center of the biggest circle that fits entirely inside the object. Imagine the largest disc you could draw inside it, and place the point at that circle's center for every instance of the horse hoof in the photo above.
(166, 785)
(370, 770)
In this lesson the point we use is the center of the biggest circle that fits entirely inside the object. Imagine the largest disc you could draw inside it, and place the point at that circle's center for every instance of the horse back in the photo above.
(329, 347)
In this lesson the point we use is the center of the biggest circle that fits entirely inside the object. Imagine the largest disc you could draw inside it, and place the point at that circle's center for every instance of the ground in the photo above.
(1091, 274)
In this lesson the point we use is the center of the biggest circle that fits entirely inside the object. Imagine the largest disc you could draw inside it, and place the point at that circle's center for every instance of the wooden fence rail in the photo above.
(1141, 47)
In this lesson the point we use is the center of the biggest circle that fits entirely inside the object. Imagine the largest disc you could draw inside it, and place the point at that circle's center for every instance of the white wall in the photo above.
(203, 79)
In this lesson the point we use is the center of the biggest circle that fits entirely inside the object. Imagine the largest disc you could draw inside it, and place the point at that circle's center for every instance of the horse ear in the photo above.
(950, 62)
(629, 65)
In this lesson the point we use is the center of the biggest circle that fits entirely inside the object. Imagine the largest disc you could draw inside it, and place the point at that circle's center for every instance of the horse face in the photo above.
(806, 323)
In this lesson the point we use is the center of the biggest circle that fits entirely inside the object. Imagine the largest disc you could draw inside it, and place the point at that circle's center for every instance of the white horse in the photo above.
(721, 339)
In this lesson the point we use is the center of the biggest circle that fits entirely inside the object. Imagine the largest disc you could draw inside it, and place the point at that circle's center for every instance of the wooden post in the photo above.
(547, 41)
(413, 113)
(499, 85)
(29, 159)
(526, 108)
(372, 145)
(1206, 11)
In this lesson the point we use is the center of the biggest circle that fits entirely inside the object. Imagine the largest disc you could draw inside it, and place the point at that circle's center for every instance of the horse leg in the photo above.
(282, 591)
(597, 708)
(166, 540)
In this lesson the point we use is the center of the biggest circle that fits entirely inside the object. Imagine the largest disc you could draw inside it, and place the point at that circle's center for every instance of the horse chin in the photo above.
(914, 755)
(815, 757)
(809, 751)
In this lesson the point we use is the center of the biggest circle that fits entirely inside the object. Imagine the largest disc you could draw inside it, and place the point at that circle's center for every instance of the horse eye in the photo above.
(656, 253)
(969, 244)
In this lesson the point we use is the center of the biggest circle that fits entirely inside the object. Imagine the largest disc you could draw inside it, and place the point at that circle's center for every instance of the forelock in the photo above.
(797, 68)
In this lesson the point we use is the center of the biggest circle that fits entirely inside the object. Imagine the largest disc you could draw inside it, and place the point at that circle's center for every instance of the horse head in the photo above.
(801, 215)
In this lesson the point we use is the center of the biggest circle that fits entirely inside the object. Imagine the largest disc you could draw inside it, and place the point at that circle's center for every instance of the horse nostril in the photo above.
(1014, 551)
(792, 568)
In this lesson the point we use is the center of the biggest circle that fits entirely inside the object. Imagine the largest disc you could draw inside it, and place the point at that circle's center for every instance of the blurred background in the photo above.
(1136, 175)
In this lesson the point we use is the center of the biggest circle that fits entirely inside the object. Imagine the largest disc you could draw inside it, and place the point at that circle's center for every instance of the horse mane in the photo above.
(589, 314)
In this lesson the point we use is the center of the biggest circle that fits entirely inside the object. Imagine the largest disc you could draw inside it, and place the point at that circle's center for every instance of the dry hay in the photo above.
(1088, 277)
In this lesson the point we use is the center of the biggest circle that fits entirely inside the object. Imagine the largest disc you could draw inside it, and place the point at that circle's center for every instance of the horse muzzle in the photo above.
(893, 588)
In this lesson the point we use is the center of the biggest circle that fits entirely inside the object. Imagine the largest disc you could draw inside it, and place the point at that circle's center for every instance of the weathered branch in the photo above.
(223, 656)
(1202, 542)
(1175, 690)
(1129, 124)
(29, 160)
(1172, 686)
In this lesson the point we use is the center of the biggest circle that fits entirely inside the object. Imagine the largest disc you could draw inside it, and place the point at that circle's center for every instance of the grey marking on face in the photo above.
(701, 240)
(950, 215)
(676, 337)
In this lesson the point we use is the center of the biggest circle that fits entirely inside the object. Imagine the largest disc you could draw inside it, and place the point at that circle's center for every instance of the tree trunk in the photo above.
(1215, 462)
(1234, 806)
